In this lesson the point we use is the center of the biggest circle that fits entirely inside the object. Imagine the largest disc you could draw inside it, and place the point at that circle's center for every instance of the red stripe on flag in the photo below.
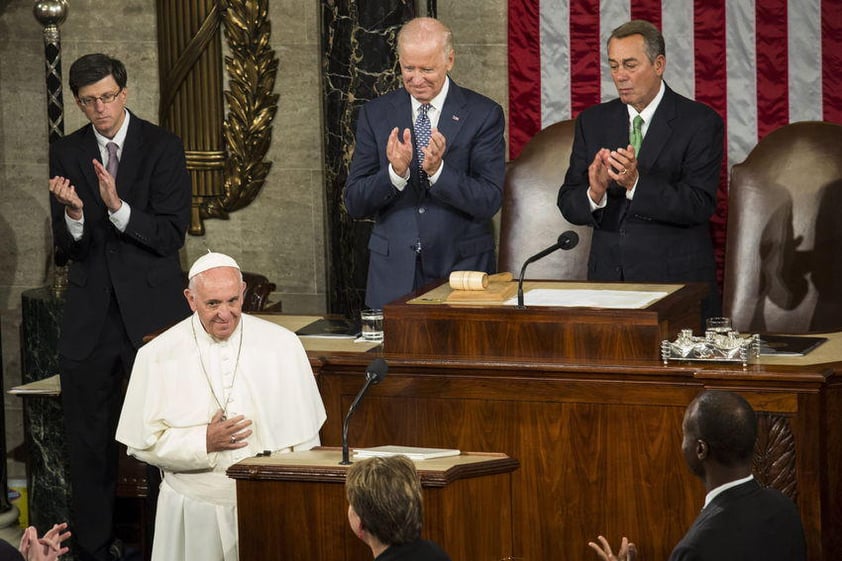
(712, 88)
(832, 61)
(650, 10)
(524, 73)
(709, 51)
(772, 67)
(585, 50)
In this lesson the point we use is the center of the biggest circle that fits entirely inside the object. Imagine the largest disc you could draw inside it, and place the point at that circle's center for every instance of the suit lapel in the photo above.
(659, 131)
(453, 114)
(131, 157)
(402, 113)
(619, 126)
(89, 151)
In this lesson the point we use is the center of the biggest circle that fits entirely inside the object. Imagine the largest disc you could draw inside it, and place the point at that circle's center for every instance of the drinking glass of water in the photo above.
(371, 322)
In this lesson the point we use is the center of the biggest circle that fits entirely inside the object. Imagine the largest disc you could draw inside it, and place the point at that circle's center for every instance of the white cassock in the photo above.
(179, 381)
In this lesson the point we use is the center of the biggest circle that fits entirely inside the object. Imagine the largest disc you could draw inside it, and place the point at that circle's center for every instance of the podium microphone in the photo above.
(567, 240)
(375, 372)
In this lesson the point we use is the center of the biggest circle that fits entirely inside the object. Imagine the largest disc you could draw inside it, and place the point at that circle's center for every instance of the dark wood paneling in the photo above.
(540, 332)
(599, 443)
(307, 518)
(299, 511)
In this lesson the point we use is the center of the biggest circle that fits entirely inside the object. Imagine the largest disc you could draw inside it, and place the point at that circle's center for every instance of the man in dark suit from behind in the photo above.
(432, 203)
(120, 210)
(649, 204)
(740, 521)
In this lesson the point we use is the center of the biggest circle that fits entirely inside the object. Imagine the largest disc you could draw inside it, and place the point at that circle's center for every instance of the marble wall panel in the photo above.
(475, 23)
(297, 135)
(294, 22)
(24, 215)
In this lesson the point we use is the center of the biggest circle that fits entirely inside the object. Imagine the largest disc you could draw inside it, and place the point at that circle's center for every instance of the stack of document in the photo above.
(411, 452)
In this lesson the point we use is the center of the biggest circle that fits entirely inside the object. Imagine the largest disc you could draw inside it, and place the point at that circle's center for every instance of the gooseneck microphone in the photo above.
(375, 372)
(567, 240)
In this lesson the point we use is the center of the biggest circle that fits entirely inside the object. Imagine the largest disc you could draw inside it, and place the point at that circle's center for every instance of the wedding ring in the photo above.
(623, 171)
(233, 439)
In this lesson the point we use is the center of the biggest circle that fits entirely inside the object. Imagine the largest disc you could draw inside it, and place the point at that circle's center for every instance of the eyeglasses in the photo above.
(105, 98)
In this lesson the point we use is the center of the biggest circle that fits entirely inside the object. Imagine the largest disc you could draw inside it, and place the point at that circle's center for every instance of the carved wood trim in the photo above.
(225, 158)
(774, 454)
(252, 105)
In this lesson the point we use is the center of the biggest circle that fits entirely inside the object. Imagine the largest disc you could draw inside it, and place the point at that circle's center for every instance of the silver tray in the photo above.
(727, 346)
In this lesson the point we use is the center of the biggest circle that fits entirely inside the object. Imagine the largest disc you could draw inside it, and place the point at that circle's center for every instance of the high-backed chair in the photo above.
(783, 261)
(258, 289)
(530, 219)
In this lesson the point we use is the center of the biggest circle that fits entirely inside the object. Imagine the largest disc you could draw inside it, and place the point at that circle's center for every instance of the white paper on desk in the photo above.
(577, 297)
(412, 452)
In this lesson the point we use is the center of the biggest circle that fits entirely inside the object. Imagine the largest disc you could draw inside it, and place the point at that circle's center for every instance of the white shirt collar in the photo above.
(648, 111)
(437, 102)
(713, 493)
(119, 138)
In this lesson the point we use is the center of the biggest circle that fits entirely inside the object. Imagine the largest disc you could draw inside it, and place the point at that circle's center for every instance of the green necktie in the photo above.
(636, 136)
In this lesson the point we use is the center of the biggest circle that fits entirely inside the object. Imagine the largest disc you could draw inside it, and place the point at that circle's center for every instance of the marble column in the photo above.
(48, 484)
(358, 63)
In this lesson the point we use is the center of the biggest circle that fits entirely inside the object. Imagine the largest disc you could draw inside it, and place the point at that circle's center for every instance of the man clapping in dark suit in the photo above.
(120, 210)
(644, 172)
(428, 166)
(740, 521)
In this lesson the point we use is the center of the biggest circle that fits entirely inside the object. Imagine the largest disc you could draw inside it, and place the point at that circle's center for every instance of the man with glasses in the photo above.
(120, 210)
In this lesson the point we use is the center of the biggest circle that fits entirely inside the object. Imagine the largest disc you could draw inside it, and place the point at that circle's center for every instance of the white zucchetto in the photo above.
(211, 260)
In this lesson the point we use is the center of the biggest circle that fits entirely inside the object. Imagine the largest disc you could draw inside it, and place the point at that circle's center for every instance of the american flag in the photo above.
(760, 63)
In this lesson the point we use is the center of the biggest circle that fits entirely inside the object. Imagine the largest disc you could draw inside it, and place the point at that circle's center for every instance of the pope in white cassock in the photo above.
(214, 389)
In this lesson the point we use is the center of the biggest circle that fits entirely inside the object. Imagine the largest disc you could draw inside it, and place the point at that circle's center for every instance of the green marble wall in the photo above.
(47, 484)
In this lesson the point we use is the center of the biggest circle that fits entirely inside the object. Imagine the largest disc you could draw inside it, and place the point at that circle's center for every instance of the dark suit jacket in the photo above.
(452, 219)
(663, 235)
(745, 523)
(139, 266)
(419, 550)
(8, 552)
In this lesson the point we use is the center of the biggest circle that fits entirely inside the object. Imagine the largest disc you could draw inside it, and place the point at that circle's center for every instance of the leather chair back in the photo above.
(258, 289)
(530, 220)
(783, 261)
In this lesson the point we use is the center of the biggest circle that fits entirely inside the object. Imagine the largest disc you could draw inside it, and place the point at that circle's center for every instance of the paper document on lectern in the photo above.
(412, 452)
(576, 297)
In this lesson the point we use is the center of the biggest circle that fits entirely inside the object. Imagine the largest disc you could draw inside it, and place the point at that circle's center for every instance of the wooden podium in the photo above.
(430, 324)
(292, 506)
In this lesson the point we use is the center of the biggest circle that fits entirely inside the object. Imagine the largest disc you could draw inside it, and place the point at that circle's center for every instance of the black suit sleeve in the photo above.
(161, 214)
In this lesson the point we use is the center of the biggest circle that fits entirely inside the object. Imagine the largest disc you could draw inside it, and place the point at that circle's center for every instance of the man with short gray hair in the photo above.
(644, 173)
